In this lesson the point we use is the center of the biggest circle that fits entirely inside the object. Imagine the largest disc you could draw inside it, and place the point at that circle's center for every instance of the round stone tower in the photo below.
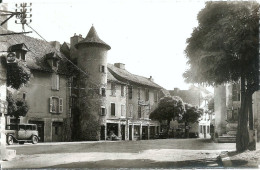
(92, 61)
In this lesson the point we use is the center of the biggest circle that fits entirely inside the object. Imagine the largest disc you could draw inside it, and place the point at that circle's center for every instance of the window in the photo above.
(103, 111)
(24, 96)
(14, 120)
(113, 89)
(139, 112)
(56, 105)
(122, 90)
(236, 92)
(146, 94)
(131, 108)
(122, 110)
(56, 130)
(113, 109)
(130, 92)
(139, 93)
(55, 82)
(102, 69)
(20, 55)
(21, 127)
(155, 96)
(103, 92)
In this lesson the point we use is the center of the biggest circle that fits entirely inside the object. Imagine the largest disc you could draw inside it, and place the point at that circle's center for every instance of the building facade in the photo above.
(74, 94)
(227, 102)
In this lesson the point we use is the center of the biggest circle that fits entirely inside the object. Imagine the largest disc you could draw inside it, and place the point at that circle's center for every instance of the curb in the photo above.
(225, 159)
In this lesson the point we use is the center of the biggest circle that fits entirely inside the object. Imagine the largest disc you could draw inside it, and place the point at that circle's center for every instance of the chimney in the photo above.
(3, 6)
(74, 40)
(56, 45)
(151, 78)
(120, 65)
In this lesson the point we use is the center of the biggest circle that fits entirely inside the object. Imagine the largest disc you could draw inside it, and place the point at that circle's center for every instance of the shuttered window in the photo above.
(55, 81)
(146, 94)
(102, 111)
(130, 92)
(113, 89)
(56, 104)
(139, 112)
(123, 110)
(113, 109)
(131, 109)
(122, 90)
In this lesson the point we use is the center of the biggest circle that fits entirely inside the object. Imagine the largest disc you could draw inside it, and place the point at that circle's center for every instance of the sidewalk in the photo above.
(247, 159)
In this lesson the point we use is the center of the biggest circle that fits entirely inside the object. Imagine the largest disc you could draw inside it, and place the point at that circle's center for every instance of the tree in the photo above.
(16, 107)
(223, 48)
(191, 115)
(168, 108)
(18, 73)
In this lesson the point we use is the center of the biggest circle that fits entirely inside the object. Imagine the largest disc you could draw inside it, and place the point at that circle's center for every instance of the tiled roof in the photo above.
(111, 78)
(37, 51)
(125, 76)
(93, 39)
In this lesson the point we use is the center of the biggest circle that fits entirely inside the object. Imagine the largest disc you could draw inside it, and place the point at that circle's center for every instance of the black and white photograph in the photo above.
(129, 84)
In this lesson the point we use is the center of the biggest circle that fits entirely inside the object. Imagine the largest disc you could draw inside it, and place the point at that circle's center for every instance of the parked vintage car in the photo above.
(21, 133)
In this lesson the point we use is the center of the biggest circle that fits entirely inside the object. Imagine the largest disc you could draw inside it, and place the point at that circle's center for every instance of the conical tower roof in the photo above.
(93, 39)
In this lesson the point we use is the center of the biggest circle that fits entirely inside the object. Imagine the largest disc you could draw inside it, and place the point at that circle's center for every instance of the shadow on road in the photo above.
(143, 163)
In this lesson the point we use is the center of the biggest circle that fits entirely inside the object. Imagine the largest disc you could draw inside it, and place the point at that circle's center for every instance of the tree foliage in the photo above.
(16, 107)
(224, 48)
(191, 114)
(169, 107)
(18, 74)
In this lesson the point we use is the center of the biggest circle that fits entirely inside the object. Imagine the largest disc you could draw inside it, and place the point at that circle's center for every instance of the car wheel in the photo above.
(10, 140)
(34, 139)
(21, 143)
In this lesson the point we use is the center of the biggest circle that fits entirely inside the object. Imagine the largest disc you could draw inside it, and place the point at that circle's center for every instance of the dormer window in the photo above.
(53, 60)
(20, 51)
(20, 54)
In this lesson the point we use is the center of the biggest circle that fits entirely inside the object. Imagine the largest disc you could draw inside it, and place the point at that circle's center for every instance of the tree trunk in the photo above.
(186, 130)
(168, 127)
(250, 111)
(242, 138)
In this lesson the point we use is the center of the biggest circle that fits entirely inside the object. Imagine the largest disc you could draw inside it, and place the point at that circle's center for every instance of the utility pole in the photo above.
(22, 14)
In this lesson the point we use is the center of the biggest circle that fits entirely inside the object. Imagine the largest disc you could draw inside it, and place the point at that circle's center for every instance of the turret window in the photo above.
(102, 69)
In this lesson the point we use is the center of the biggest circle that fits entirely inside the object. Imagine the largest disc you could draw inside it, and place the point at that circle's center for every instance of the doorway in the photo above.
(40, 128)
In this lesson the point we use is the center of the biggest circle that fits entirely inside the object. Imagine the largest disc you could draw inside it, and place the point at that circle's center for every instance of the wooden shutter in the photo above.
(60, 105)
(51, 104)
(53, 81)
(57, 82)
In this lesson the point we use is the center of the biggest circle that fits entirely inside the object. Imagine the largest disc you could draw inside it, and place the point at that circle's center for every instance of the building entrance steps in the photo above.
(226, 139)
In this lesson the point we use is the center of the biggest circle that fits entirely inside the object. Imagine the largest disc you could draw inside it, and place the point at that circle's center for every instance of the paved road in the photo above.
(165, 153)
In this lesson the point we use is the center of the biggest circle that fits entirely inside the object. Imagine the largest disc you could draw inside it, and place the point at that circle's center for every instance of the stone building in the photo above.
(74, 94)
(46, 94)
(227, 102)
(120, 102)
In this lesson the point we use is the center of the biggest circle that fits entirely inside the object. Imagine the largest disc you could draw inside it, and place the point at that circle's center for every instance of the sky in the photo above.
(148, 36)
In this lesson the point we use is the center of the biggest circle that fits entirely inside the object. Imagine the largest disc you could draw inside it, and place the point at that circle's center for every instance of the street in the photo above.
(164, 153)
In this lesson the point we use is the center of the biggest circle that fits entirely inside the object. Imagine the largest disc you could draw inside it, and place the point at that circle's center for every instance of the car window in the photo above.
(34, 127)
(21, 127)
(28, 127)
(11, 127)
